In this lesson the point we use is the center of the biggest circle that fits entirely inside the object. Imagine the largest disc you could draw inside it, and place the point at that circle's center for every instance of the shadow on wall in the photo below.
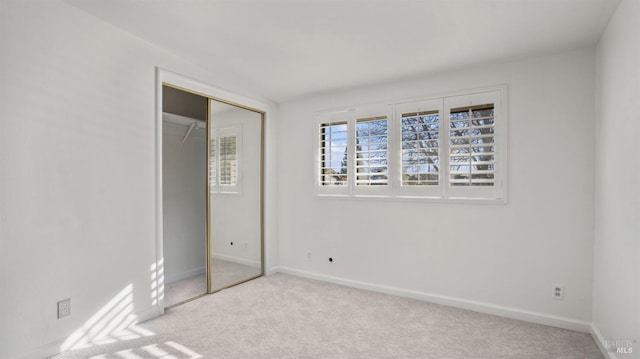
(116, 322)
(112, 323)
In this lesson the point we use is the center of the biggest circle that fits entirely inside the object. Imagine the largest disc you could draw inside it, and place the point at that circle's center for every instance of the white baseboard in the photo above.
(236, 260)
(599, 339)
(503, 311)
(272, 271)
(148, 314)
(170, 278)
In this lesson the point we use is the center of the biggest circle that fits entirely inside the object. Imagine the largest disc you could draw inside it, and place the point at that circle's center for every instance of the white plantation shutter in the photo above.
(475, 140)
(472, 145)
(224, 160)
(419, 125)
(372, 153)
(333, 154)
(450, 147)
(420, 148)
(228, 163)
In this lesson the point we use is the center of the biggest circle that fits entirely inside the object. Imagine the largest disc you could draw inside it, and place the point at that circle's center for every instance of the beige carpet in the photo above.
(282, 316)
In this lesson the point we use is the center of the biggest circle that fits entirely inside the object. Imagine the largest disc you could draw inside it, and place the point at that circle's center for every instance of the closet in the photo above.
(212, 194)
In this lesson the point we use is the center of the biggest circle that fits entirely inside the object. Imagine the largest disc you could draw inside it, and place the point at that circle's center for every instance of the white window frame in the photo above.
(443, 191)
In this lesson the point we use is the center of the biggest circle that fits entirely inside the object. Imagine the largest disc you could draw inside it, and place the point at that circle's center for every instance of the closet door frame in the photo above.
(183, 83)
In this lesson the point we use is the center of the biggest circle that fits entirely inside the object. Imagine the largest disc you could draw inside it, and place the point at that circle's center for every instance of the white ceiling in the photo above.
(286, 49)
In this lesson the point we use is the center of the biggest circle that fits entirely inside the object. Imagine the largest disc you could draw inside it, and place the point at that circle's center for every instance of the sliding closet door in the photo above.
(235, 195)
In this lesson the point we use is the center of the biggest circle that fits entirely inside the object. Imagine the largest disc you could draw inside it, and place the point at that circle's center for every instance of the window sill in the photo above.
(424, 199)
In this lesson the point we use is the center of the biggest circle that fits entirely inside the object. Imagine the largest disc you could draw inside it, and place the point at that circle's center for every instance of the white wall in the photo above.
(497, 258)
(616, 299)
(77, 169)
(184, 198)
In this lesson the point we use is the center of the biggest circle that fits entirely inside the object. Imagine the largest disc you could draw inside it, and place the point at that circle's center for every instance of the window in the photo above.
(372, 155)
(420, 148)
(223, 160)
(445, 148)
(354, 151)
(475, 146)
(333, 144)
(471, 146)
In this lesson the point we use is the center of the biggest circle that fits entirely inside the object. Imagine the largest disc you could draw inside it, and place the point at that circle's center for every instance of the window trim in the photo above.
(443, 192)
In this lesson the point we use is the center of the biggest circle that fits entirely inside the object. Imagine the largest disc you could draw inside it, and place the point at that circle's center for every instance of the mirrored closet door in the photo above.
(235, 244)
(212, 155)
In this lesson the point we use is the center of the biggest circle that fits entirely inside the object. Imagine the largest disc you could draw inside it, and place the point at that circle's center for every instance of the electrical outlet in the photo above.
(557, 291)
(308, 256)
(64, 308)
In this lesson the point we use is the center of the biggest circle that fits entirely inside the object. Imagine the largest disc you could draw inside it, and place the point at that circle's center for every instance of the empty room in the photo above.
(319, 179)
